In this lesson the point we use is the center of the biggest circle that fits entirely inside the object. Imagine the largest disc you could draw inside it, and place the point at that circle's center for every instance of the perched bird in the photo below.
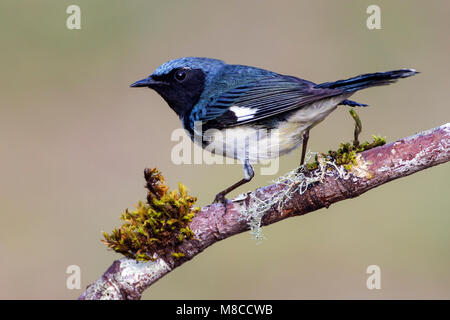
(270, 112)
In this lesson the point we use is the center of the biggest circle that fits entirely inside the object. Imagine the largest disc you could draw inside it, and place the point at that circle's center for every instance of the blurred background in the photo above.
(75, 139)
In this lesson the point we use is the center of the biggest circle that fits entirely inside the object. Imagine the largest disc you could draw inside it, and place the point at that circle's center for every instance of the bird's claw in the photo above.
(220, 198)
(301, 168)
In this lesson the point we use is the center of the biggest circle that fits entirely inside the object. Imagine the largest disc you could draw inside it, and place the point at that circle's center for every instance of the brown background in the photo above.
(74, 140)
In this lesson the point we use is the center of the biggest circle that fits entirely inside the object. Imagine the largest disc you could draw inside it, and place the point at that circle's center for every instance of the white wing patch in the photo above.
(243, 113)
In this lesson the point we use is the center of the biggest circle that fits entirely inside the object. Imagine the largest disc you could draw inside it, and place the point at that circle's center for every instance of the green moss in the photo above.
(157, 226)
(346, 154)
(177, 255)
(313, 165)
(358, 126)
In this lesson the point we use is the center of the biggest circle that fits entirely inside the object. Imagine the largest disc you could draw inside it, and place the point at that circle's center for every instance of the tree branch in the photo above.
(127, 279)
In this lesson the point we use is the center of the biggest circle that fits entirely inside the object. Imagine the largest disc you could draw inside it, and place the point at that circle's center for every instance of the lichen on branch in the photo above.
(156, 227)
(126, 279)
(346, 154)
(341, 163)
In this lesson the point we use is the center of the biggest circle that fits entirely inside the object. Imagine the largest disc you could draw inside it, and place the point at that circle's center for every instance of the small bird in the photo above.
(272, 113)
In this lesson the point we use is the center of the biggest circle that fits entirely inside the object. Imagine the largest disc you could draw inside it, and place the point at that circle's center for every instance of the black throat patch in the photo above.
(181, 96)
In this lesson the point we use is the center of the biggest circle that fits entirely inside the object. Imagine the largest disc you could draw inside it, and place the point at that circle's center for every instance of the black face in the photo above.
(181, 88)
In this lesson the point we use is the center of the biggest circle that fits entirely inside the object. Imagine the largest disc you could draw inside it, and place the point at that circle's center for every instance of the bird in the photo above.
(268, 113)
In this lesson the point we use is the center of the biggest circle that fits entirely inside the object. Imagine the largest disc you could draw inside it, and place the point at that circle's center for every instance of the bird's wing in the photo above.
(260, 99)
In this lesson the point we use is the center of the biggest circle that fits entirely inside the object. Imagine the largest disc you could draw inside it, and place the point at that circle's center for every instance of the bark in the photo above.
(127, 279)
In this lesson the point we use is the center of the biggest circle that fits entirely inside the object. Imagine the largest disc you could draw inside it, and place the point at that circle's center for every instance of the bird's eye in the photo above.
(180, 75)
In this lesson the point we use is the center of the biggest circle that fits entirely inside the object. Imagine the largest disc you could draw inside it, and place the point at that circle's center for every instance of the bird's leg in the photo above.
(305, 143)
(248, 175)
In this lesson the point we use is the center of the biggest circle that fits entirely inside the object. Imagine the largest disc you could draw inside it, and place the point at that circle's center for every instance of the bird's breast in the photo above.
(258, 142)
(253, 143)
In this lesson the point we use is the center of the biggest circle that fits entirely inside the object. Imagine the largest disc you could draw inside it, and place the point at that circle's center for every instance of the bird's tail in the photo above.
(368, 80)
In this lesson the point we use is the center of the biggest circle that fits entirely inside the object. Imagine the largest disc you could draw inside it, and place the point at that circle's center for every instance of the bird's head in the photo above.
(181, 82)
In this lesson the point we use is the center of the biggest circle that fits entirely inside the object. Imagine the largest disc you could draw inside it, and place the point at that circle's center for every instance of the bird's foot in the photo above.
(301, 168)
(220, 198)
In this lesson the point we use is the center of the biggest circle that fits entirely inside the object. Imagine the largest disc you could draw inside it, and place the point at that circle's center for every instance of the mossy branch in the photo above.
(128, 278)
(157, 227)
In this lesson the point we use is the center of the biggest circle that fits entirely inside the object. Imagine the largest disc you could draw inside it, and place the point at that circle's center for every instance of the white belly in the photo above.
(261, 144)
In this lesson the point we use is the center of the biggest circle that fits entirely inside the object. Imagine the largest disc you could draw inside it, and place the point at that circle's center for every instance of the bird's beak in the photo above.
(147, 82)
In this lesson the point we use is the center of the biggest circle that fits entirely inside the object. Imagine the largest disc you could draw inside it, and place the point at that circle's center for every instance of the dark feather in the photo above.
(266, 97)
(368, 80)
(352, 103)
